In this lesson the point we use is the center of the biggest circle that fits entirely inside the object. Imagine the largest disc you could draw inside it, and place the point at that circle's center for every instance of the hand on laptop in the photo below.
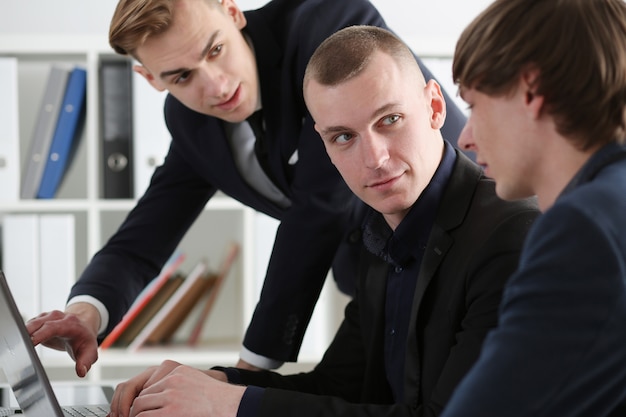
(74, 331)
(176, 389)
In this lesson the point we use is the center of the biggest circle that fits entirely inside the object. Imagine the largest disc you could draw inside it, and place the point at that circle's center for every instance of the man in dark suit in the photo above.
(439, 247)
(549, 119)
(220, 65)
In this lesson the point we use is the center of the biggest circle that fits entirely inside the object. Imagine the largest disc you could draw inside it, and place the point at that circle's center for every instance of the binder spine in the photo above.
(116, 128)
(44, 130)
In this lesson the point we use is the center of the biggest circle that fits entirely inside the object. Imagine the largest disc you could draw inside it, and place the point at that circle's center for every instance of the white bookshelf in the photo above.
(223, 220)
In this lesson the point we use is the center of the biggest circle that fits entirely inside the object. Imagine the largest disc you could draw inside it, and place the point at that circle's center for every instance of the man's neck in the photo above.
(560, 163)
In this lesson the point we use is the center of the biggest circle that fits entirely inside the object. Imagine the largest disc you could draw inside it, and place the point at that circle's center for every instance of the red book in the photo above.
(143, 300)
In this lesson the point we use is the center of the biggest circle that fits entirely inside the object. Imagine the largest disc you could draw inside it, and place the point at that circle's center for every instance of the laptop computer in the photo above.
(24, 371)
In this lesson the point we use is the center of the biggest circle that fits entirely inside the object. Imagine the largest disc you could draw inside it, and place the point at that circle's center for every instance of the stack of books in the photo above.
(164, 305)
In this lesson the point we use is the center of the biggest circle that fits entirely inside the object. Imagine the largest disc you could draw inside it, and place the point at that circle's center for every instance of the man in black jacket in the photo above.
(439, 246)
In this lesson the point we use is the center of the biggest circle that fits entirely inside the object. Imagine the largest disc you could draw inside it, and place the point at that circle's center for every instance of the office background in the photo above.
(39, 32)
(430, 27)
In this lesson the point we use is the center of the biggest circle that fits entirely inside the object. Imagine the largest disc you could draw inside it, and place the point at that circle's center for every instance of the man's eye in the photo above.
(216, 51)
(391, 119)
(183, 77)
(343, 138)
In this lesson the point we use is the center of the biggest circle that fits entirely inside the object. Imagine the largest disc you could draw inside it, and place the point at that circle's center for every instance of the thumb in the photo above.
(82, 369)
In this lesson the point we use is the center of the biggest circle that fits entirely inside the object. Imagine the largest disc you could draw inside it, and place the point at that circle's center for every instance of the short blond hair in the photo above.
(134, 21)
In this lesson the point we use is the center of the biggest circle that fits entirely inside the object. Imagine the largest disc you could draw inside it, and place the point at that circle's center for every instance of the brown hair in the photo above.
(347, 52)
(134, 21)
(578, 48)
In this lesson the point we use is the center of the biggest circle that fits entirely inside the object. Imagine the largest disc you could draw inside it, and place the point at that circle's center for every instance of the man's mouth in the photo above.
(386, 182)
(231, 102)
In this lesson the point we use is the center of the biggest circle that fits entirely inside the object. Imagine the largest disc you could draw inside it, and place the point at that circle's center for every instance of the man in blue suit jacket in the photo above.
(546, 81)
(221, 65)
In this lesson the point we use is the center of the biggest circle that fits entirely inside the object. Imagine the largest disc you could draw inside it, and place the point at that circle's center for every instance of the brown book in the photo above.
(168, 270)
(178, 305)
(150, 310)
(165, 330)
(227, 263)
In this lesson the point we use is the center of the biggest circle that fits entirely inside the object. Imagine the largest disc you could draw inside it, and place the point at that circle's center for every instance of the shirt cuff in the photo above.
(102, 310)
(258, 360)
(250, 404)
(232, 374)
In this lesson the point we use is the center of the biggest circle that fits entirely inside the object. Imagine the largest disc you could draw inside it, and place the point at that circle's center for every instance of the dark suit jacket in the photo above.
(560, 345)
(472, 249)
(285, 33)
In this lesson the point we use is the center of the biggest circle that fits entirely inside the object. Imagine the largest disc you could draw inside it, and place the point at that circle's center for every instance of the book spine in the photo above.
(67, 129)
(141, 303)
(194, 337)
(145, 333)
(117, 129)
(9, 131)
(20, 255)
(57, 265)
(44, 130)
(151, 139)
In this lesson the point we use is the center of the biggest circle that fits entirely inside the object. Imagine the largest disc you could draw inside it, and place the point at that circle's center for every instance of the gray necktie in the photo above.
(242, 141)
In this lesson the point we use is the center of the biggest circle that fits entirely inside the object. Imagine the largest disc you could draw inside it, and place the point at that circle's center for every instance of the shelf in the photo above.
(220, 202)
(116, 364)
(53, 44)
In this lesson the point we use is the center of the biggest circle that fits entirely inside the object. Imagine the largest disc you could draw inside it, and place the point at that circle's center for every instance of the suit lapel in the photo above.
(452, 209)
(279, 106)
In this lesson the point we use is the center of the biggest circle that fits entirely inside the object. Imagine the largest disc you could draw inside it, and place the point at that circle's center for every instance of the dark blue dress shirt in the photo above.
(403, 250)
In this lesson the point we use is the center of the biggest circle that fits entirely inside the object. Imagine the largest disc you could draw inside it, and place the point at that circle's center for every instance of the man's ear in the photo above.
(433, 93)
(143, 71)
(528, 86)
(232, 10)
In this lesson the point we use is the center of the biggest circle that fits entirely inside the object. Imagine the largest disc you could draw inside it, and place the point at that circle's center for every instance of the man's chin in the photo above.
(230, 117)
(509, 193)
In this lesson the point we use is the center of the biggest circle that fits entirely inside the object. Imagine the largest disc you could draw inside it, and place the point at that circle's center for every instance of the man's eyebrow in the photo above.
(334, 129)
(376, 114)
(386, 108)
(204, 52)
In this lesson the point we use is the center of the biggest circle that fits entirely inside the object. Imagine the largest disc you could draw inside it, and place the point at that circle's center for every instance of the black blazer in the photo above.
(472, 250)
(284, 33)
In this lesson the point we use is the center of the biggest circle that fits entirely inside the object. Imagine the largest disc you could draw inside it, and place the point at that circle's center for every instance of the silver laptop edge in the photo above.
(21, 364)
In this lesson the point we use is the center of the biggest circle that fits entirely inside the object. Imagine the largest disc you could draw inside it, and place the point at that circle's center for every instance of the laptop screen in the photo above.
(20, 363)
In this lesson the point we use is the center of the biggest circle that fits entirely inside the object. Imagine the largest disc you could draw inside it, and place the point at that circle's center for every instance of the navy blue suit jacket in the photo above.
(285, 33)
(560, 345)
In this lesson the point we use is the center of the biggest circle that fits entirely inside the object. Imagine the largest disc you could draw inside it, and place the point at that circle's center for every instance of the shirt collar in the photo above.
(606, 155)
(402, 246)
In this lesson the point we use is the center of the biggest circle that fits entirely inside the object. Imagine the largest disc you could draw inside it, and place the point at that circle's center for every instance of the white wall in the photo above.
(429, 27)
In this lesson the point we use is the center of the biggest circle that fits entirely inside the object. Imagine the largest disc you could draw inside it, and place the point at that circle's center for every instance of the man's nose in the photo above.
(466, 138)
(374, 149)
(214, 81)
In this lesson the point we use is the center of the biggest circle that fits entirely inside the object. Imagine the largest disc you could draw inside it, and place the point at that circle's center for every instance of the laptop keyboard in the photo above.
(85, 411)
